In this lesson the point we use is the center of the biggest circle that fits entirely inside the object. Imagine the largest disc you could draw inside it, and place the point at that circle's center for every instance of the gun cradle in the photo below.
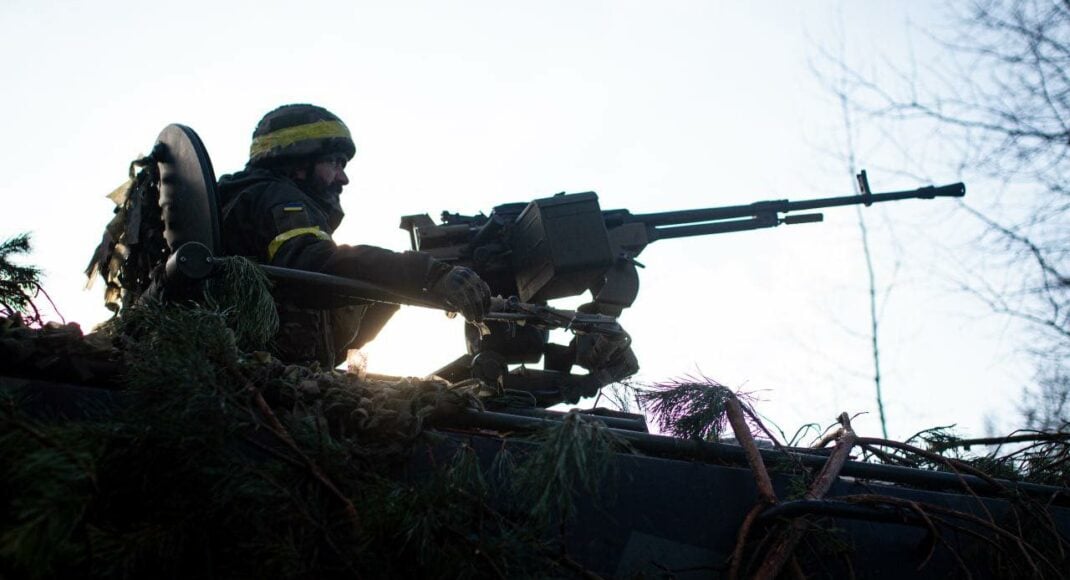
(550, 248)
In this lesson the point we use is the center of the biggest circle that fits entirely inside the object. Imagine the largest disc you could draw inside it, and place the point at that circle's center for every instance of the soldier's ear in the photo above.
(302, 169)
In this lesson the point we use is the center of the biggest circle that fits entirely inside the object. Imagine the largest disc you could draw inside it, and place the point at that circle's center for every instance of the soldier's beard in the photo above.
(319, 189)
(329, 194)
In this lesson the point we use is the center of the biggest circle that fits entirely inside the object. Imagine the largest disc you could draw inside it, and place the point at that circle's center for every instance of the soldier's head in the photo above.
(307, 143)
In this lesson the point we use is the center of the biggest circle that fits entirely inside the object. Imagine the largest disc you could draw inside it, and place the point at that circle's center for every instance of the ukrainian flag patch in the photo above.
(290, 215)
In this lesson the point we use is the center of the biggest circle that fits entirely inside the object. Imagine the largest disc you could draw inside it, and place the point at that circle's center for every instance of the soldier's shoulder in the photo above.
(257, 187)
(248, 178)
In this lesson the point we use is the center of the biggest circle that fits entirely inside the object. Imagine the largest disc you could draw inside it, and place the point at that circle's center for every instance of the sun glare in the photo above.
(416, 342)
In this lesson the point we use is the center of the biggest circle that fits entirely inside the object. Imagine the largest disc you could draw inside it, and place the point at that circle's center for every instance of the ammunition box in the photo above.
(560, 246)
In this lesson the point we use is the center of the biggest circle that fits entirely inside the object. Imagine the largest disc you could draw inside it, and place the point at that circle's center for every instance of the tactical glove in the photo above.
(464, 291)
(596, 351)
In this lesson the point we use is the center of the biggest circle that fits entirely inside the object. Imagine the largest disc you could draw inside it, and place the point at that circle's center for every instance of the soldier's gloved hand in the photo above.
(595, 351)
(464, 291)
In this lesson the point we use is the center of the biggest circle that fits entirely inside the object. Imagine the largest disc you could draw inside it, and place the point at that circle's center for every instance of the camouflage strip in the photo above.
(290, 135)
(290, 234)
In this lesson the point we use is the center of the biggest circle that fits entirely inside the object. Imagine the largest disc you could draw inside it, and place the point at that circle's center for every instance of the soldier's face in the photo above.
(329, 174)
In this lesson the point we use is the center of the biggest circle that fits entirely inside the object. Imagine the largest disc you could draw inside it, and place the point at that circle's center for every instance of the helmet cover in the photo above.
(299, 131)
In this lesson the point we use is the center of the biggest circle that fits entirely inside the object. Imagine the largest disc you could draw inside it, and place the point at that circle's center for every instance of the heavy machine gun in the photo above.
(529, 254)
(566, 245)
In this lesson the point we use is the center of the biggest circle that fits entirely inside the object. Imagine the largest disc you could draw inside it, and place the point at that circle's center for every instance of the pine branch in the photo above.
(276, 427)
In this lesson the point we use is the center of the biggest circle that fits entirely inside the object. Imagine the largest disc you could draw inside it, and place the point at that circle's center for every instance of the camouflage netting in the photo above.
(212, 458)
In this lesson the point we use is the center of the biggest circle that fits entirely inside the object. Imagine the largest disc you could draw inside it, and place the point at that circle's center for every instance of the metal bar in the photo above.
(840, 509)
(366, 291)
(637, 425)
(667, 233)
(721, 453)
(687, 216)
(347, 287)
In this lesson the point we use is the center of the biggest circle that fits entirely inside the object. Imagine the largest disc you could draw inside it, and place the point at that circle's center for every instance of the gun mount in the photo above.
(566, 245)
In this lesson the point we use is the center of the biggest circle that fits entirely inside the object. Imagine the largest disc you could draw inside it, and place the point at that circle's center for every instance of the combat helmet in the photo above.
(300, 131)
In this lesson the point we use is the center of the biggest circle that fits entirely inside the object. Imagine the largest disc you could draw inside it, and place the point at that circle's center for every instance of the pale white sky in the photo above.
(461, 106)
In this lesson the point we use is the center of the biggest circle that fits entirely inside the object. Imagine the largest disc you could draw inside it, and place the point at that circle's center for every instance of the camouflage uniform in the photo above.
(269, 219)
(272, 219)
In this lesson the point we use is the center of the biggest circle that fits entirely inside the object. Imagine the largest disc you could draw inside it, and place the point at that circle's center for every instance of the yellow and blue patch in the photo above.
(291, 215)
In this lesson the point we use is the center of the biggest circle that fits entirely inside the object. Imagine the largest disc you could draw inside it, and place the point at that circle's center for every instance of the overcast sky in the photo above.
(462, 106)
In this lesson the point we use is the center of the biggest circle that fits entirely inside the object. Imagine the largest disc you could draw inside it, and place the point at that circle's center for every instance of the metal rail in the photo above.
(671, 447)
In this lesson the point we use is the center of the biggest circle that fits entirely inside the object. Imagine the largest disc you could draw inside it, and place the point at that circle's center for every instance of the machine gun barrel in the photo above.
(762, 214)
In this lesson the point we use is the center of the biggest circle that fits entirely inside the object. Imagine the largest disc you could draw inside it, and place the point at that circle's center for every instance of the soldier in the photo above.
(282, 209)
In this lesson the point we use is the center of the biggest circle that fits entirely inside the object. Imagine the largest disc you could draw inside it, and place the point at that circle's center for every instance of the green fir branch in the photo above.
(574, 457)
(689, 408)
(18, 284)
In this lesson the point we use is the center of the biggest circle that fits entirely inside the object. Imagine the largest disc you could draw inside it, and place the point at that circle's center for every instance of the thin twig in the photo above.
(761, 425)
(277, 428)
(887, 457)
(937, 537)
(827, 438)
(1025, 547)
(952, 463)
(1043, 437)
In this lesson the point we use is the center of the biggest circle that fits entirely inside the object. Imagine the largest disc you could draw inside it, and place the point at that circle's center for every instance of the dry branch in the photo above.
(827, 438)
(779, 554)
(750, 448)
(766, 495)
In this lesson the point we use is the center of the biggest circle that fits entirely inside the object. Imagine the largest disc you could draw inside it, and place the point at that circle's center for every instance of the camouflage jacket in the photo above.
(270, 220)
